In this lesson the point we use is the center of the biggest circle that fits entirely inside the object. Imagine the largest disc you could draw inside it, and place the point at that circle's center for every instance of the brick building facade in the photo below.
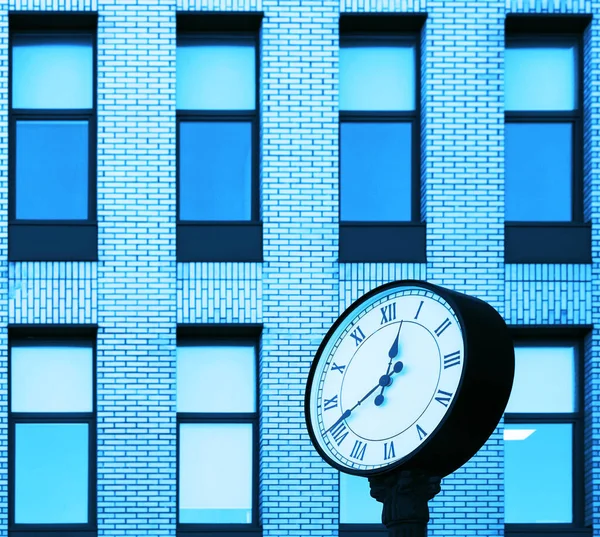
(139, 292)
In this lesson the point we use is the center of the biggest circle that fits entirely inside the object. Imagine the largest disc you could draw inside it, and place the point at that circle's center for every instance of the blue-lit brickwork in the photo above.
(137, 294)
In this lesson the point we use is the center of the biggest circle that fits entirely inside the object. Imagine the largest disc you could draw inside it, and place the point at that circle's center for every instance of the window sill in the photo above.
(219, 241)
(545, 530)
(552, 242)
(226, 530)
(363, 530)
(50, 241)
(49, 532)
(383, 242)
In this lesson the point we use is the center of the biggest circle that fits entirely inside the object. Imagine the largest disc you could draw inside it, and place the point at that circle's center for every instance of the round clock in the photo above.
(411, 376)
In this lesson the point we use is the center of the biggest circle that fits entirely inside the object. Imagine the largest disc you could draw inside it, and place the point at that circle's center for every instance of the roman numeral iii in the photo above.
(452, 359)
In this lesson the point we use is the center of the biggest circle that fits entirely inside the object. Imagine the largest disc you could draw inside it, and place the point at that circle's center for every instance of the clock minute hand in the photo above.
(383, 381)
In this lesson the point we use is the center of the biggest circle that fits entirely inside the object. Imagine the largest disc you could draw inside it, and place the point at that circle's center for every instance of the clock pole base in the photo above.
(404, 496)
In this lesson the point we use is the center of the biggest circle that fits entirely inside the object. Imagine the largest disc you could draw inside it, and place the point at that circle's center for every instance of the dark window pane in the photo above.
(376, 171)
(538, 172)
(215, 170)
(52, 72)
(52, 170)
(538, 473)
(215, 473)
(51, 473)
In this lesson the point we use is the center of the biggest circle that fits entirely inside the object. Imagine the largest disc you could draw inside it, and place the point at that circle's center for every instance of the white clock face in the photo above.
(386, 378)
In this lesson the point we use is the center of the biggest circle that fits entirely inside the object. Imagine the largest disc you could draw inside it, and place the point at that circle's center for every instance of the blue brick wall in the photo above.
(137, 293)
(137, 297)
(300, 275)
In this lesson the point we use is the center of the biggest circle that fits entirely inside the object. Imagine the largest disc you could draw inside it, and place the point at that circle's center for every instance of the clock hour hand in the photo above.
(392, 354)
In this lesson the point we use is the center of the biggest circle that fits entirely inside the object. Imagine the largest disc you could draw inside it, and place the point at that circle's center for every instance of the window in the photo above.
(543, 438)
(543, 150)
(218, 206)
(52, 146)
(217, 423)
(379, 156)
(356, 504)
(52, 428)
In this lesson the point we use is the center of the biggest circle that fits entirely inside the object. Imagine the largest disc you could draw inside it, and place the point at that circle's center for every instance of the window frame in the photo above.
(576, 419)
(222, 240)
(362, 240)
(553, 241)
(208, 338)
(80, 337)
(56, 239)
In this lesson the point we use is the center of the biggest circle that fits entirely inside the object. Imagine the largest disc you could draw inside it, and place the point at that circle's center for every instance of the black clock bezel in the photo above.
(463, 437)
(329, 335)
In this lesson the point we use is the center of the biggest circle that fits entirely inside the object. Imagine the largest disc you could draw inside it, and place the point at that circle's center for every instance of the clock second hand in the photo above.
(385, 380)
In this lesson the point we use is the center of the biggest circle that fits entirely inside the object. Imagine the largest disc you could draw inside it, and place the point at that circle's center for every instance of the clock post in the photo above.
(408, 384)
(405, 496)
